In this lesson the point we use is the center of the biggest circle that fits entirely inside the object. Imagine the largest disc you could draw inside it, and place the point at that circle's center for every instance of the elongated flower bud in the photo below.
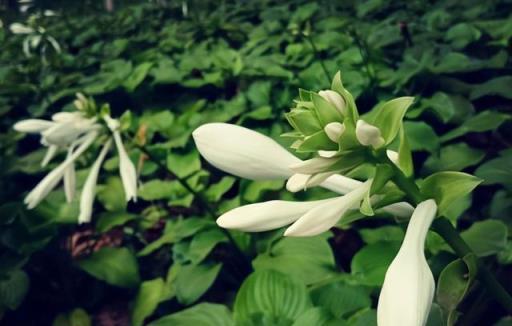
(265, 216)
(89, 189)
(126, 169)
(32, 125)
(17, 28)
(335, 99)
(323, 217)
(334, 130)
(70, 178)
(408, 288)
(51, 180)
(368, 134)
(50, 153)
(243, 152)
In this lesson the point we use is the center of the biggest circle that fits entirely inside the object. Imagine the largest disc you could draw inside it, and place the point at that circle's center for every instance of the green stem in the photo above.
(445, 229)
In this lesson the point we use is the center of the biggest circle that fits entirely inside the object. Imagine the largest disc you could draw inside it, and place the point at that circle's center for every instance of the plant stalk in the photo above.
(445, 229)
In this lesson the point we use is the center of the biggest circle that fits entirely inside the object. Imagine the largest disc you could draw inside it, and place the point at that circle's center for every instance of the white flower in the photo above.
(368, 134)
(251, 155)
(50, 153)
(308, 218)
(265, 216)
(324, 216)
(126, 168)
(32, 125)
(334, 130)
(18, 28)
(70, 177)
(243, 152)
(67, 128)
(51, 180)
(89, 189)
(335, 99)
(408, 288)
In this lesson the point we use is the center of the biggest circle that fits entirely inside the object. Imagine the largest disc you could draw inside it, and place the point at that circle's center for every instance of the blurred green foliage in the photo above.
(163, 260)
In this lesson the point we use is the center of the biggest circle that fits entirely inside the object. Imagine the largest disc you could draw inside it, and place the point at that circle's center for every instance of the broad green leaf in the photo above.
(453, 284)
(389, 117)
(111, 195)
(421, 136)
(116, 266)
(203, 243)
(454, 157)
(487, 120)
(384, 233)
(214, 192)
(13, 288)
(203, 314)
(193, 281)
(497, 171)
(341, 299)
(370, 263)
(79, 317)
(183, 165)
(137, 76)
(486, 237)
(313, 254)
(446, 187)
(109, 220)
(405, 162)
(317, 316)
(255, 189)
(500, 86)
(272, 294)
(462, 34)
(147, 300)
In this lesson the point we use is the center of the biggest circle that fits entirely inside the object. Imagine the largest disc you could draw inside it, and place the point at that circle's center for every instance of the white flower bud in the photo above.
(334, 130)
(368, 134)
(336, 100)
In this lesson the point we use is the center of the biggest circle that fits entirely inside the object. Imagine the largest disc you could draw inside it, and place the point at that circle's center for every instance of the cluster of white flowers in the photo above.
(74, 133)
(35, 37)
(408, 289)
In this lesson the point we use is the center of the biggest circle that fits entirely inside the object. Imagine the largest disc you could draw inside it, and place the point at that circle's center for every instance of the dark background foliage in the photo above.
(175, 65)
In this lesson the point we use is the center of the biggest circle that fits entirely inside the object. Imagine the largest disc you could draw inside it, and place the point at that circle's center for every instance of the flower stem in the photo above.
(445, 229)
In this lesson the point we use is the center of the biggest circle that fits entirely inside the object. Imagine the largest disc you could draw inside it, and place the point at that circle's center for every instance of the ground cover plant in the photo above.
(157, 73)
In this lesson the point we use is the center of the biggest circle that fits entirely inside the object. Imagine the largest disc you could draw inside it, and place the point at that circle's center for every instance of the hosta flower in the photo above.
(251, 155)
(334, 130)
(408, 288)
(308, 218)
(335, 99)
(368, 134)
(75, 132)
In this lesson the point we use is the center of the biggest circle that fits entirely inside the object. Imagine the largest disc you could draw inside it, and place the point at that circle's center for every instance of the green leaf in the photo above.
(341, 299)
(453, 285)
(421, 136)
(313, 254)
(405, 162)
(193, 281)
(447, 187)
(453, 157)
(203, 243)
(183, 165)
(147, 300)
(389, 117)
(487, 237)
(79, 317)
(500, 86)
(462, 34)
(487, 120)
(272, 294)
(369, 264)
(214, 192)
(13, 288)
(116, 266)
(137, 76)
(317, 316)
(204, 314)
(109, 220)
(255, 189)
(497, 171)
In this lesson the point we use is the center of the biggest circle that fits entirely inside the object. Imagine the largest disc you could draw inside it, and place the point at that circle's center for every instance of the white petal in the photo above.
(323, 217)
(265, 216)
(393, 156)
(70, 178)
(126, 169)
(32, 125)
(243, 152)
(113, 124)
(89, 189)
(50, 153)
(51, 180)
(368, 134)
(334, 130)
(67, 116)
(335, 99)
(314, 165)
(327, 154)
(408, 289)
(18, 28)
(297, 182)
